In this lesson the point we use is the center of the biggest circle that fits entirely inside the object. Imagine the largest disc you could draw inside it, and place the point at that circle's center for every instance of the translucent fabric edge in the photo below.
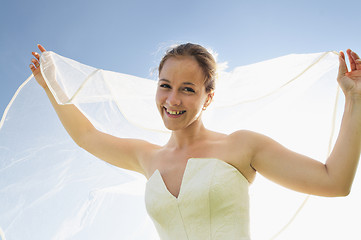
(12, 100)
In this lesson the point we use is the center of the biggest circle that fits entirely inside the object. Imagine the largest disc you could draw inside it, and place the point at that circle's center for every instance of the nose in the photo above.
(173, 99)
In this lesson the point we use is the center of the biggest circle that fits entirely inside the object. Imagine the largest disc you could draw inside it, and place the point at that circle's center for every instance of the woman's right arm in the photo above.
(123, 153)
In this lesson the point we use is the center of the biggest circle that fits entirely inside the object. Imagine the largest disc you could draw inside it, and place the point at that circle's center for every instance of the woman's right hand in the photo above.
(35, 67)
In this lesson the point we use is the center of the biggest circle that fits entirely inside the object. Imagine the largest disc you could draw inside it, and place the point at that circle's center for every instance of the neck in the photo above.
(184, 138)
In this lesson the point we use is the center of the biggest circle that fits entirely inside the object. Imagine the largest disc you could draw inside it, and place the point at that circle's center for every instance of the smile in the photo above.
(173, 113)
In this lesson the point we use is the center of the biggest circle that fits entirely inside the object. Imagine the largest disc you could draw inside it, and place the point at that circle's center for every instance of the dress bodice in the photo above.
(213, 203)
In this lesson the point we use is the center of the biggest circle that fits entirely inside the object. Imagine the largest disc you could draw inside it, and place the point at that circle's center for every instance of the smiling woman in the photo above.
(181, 92)
(198, 179)
(187, 75)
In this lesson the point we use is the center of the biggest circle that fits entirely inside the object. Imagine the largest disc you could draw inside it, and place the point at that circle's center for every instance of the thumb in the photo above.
(342, 69)
(41, 48)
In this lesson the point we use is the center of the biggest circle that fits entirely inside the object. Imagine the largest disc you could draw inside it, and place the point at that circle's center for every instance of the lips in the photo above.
(174, 113)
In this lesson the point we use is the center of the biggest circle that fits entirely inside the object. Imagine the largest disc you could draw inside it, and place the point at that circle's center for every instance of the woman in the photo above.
(200, 173)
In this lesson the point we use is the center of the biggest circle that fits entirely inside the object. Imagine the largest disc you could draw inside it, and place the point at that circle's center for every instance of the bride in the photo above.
(198, 181)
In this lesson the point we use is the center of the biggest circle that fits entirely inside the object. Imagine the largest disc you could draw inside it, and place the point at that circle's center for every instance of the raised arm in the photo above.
(301, 173)
(124, 153)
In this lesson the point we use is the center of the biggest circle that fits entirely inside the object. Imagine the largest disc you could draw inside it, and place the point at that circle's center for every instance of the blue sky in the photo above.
(125, 36)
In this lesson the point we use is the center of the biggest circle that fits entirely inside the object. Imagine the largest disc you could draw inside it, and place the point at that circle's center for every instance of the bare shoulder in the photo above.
(255, 143)
(242, 147)
(253, 139)
(245, 137)
(241, 135)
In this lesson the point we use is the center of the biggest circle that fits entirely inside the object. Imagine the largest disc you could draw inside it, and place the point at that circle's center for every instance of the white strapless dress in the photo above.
(213, 203)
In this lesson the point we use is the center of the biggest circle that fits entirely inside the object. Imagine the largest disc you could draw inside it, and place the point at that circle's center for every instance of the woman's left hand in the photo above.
(350, 81)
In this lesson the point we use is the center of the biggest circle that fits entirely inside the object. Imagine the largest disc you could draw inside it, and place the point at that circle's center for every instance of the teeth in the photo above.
(174, 112)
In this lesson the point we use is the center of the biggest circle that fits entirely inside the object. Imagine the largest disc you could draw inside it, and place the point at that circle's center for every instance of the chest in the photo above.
(212, 192)
(173, 167)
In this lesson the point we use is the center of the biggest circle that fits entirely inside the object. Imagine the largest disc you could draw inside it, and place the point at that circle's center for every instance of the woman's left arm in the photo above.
(343, 160)
(301, 173)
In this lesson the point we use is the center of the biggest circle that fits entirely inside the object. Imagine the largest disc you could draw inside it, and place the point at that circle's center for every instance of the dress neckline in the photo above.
(185, 174)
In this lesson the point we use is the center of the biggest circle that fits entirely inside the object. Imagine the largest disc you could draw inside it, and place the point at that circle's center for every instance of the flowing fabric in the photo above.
(52, 189)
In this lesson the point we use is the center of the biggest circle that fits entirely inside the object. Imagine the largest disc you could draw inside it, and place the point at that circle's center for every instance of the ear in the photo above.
(209, 100)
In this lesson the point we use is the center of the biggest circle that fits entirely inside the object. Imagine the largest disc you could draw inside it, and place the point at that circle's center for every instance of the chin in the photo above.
(172, 127)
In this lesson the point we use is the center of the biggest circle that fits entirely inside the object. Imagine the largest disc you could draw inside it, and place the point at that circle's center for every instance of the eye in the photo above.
(188, 89)
(164, 85)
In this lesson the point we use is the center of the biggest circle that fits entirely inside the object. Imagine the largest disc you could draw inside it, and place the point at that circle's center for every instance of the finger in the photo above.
(41, 48)
(37, 55)
(342, 55)
(351, 60)
(35, 62)
(357, 60)
(354, 55)
(342, 70)
(32, 68)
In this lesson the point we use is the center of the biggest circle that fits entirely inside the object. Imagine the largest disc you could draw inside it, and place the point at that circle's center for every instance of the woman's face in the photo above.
(181, 92)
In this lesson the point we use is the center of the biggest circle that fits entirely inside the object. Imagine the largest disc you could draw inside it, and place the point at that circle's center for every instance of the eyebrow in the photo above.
(184, 83)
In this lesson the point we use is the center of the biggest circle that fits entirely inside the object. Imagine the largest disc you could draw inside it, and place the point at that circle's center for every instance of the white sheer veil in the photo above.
(52, 189)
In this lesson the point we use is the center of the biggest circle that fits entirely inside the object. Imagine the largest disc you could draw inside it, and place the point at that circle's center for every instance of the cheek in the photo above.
(202, 101)
(195, 103)
(159, 97)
